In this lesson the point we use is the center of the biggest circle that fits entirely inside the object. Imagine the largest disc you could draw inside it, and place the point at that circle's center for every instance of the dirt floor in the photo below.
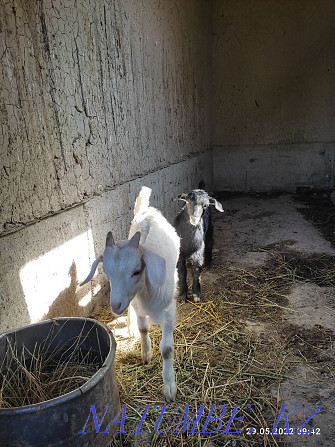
(263, 335)
(252, 230)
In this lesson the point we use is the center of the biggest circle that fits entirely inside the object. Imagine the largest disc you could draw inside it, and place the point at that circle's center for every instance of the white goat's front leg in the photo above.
(143, 327)
(170, 389)
(132, 322)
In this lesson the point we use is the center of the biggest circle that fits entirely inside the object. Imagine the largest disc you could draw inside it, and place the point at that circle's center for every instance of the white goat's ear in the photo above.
(217, 204)
(134, 241)
(109, 239)
(93, 269)
(156, 268)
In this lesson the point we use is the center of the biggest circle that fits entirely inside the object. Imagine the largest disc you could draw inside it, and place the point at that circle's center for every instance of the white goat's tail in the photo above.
(142, 201)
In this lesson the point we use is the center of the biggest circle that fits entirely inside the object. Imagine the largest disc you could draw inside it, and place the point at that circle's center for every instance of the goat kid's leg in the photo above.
(209, 246)
(170, 388)
(143, 327)
(132, 322)
(182, 273)
(196, 287)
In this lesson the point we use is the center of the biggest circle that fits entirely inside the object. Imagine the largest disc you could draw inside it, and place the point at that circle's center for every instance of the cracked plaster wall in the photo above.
(96, 97)
(96, 93)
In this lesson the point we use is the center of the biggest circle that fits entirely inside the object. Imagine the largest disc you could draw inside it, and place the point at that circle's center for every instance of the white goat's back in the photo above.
(159, 236)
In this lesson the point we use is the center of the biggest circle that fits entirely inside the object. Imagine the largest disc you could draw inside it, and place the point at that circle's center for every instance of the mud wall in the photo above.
(274, 94)
(97, 98)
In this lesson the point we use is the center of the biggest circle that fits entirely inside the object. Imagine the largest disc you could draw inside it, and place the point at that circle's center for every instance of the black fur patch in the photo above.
(167, 353)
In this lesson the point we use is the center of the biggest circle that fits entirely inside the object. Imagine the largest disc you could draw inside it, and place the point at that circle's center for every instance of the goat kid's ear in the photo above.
(183, 196)
(156, 268)
(93, 269)
(134, 241)
(109, 239)
(217, 204)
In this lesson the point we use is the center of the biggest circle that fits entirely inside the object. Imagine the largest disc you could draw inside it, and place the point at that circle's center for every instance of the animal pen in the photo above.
(99, 98)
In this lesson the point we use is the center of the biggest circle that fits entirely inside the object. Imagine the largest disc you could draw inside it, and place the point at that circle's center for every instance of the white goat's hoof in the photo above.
(146, 357)
(170, 392)
(196, 298)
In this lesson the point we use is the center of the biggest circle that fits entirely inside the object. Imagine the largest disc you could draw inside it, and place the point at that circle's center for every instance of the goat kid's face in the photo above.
(195, 211)
(197, 201)
(124, 264)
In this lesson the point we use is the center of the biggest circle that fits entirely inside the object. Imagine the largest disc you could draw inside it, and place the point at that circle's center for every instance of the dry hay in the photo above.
(103, 314)
(219, 361)
(35, 376)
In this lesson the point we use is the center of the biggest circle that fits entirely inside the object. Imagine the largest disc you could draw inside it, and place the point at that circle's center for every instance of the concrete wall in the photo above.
(273, 102)
(97, 98)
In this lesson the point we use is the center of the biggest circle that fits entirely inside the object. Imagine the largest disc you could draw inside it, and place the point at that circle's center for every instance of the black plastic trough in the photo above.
(59, 421)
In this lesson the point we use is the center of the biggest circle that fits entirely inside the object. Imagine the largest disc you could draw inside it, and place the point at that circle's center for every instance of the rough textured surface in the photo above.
(258, 221)
(42, 264)
(274, 68)
(95, 94)
(281, 167)
(274, 90)
(249, 224)
(97, 98)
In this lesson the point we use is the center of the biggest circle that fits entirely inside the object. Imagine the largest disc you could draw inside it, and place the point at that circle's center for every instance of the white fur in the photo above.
(159, 237)
(150, 293)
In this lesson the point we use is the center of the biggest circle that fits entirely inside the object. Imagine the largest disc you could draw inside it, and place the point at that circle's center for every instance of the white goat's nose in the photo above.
(116, 307)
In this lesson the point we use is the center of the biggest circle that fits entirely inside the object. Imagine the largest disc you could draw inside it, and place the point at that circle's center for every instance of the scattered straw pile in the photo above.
(218, 360)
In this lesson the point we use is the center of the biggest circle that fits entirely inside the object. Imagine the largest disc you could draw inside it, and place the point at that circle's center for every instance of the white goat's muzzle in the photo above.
(118, 308)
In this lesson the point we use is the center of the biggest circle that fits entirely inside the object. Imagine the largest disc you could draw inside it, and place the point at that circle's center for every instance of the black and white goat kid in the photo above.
(195, 228)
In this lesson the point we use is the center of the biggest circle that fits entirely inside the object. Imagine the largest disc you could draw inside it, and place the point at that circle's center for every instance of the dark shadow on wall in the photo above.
(9, 313)
(67, 302)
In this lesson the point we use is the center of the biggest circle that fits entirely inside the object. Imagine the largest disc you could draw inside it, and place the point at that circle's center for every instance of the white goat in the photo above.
(142, 271)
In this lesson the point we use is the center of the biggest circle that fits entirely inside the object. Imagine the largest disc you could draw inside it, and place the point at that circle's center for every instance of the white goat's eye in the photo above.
(136, 273)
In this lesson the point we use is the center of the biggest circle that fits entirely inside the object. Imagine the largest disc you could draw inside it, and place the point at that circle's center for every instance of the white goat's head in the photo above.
(197, 201)
(127, 264)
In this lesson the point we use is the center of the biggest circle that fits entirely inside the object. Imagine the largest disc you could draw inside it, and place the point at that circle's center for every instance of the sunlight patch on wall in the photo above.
(45, 278)
(87, 298)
